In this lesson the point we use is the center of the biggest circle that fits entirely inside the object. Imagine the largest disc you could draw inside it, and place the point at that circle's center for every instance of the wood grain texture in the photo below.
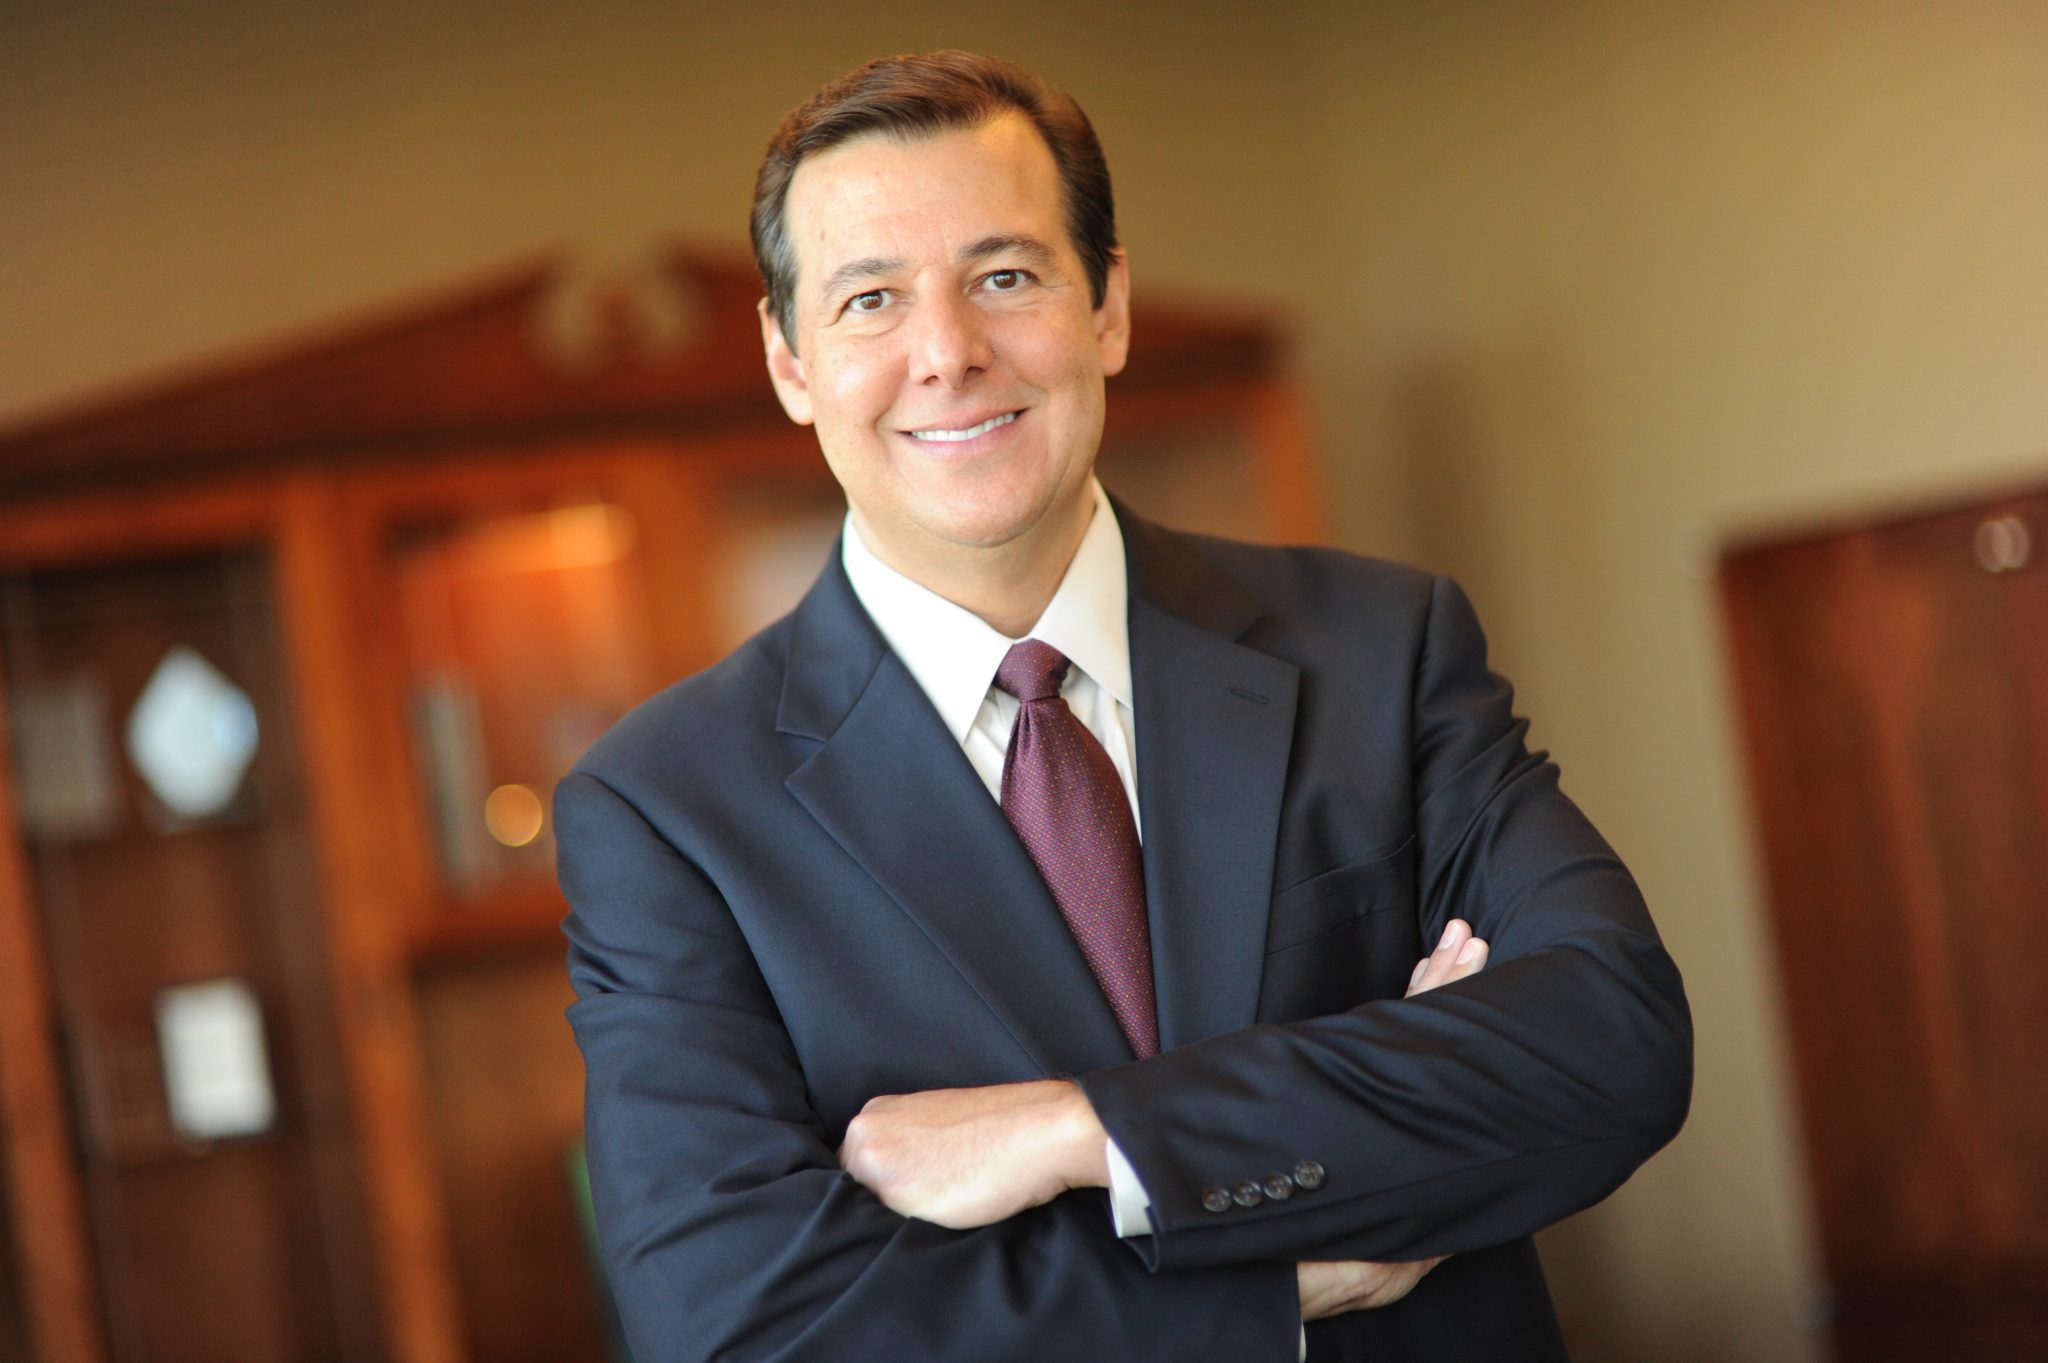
(1894, 699)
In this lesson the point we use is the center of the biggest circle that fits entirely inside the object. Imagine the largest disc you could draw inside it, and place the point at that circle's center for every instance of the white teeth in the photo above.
(972, 431)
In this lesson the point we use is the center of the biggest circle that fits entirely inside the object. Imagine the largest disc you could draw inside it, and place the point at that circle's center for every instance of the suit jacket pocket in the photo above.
(1340, 896)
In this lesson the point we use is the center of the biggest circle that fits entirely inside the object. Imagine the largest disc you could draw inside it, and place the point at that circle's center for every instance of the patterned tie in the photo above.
(1068, 806)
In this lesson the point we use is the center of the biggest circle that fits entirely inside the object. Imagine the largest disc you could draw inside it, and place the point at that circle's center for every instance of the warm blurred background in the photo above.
(380, 414)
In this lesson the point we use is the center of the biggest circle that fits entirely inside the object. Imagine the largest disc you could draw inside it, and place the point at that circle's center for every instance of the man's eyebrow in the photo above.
(1031, 249)
(854, 270)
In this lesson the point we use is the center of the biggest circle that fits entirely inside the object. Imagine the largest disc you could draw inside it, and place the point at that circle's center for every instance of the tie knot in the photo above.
(1032, 670)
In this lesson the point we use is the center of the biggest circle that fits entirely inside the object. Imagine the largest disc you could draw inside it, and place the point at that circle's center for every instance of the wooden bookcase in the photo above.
(441, 546)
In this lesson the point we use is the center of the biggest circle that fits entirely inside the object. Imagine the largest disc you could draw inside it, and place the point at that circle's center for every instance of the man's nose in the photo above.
(951, 342)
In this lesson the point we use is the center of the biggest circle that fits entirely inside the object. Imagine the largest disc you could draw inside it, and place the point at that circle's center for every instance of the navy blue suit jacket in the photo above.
(791, 893)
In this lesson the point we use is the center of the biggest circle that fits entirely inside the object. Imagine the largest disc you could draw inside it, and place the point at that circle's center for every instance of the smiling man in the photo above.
(1061, 937)
(947, 342)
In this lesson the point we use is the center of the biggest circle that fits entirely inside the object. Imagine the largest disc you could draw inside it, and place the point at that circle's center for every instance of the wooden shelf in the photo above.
(517, 919)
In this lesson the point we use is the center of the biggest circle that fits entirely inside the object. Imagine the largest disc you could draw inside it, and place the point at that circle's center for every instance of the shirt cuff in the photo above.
(1130, 1211)
(1130, 1206)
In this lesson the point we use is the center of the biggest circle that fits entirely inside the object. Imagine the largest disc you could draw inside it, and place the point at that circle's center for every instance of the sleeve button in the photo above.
(1309, 1175)
(1279, 1187)
(1247, 1194)
(1215, 1200)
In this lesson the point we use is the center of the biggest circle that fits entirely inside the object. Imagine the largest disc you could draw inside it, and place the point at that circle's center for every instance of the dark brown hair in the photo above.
(918, 96)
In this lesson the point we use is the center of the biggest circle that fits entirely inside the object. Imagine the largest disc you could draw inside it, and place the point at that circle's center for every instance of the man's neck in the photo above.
(1008, 586)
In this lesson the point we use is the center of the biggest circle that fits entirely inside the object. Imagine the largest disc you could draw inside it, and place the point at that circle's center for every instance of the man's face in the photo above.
(947, 348)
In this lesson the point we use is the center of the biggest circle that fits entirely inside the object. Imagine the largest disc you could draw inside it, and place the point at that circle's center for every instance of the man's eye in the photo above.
(1005, 281)
(871, 301)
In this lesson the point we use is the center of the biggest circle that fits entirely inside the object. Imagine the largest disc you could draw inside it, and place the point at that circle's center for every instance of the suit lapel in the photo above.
(892, 788)
(1215, 726)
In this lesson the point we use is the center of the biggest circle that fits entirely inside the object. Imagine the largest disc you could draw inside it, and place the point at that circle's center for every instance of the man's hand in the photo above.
(1333, 1289)
(972, 1157)
(1330, 1289)
(1458, 954)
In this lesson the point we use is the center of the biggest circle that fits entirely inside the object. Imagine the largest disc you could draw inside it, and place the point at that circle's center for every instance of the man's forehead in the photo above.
(885, 181)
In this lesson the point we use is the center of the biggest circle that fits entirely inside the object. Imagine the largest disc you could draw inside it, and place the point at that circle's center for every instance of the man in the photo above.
(1042, 850)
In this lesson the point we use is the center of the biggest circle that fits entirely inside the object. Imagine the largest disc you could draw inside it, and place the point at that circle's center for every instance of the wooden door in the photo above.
(170, 863)
(1894, 688)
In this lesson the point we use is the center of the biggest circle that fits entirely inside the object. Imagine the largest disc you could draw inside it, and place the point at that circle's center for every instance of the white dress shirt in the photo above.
(953, 653)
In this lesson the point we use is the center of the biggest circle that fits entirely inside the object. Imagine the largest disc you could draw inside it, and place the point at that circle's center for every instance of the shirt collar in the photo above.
(953, 653)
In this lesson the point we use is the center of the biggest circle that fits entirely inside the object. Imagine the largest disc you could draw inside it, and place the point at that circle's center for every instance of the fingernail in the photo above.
(1470, 953)
(1416, 973)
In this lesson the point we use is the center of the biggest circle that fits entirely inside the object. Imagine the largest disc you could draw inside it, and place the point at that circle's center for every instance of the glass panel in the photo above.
(65, 778)
(774, 538)
(506, 1087)
(522, 640)
(214, 1241)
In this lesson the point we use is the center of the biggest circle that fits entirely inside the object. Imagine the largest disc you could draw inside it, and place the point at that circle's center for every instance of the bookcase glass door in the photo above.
(519, 625)
(170, 861)
(522, 640)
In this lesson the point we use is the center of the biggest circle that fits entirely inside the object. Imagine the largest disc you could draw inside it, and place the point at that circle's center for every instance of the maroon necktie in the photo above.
(1068, 806)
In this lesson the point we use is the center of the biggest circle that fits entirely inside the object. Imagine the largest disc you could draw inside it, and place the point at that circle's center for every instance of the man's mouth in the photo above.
(955, 435)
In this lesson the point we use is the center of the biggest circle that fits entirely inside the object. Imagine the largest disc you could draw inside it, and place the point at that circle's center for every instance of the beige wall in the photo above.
(174, 178)
(1628, 277)
(1582, 286)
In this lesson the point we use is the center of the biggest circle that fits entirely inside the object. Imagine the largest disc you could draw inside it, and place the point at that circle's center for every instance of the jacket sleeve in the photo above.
(1462, 1118)
(728, 1228)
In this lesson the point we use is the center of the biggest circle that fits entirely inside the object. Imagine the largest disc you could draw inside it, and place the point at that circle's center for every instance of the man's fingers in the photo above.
(1470, 960)
(1458, 954)
(1432, 969)
(1331, 1289)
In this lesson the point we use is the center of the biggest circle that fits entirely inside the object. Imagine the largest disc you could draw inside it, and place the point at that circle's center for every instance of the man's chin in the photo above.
(935, 529)
(994, 530)
(975, 536)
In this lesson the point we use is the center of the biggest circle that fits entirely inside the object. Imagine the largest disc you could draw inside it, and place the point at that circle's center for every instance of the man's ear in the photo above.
(1113, 318)
(785, 368)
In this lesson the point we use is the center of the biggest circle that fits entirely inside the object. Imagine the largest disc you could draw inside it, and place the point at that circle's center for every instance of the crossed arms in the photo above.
(728, 1061)
(963, 1158)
